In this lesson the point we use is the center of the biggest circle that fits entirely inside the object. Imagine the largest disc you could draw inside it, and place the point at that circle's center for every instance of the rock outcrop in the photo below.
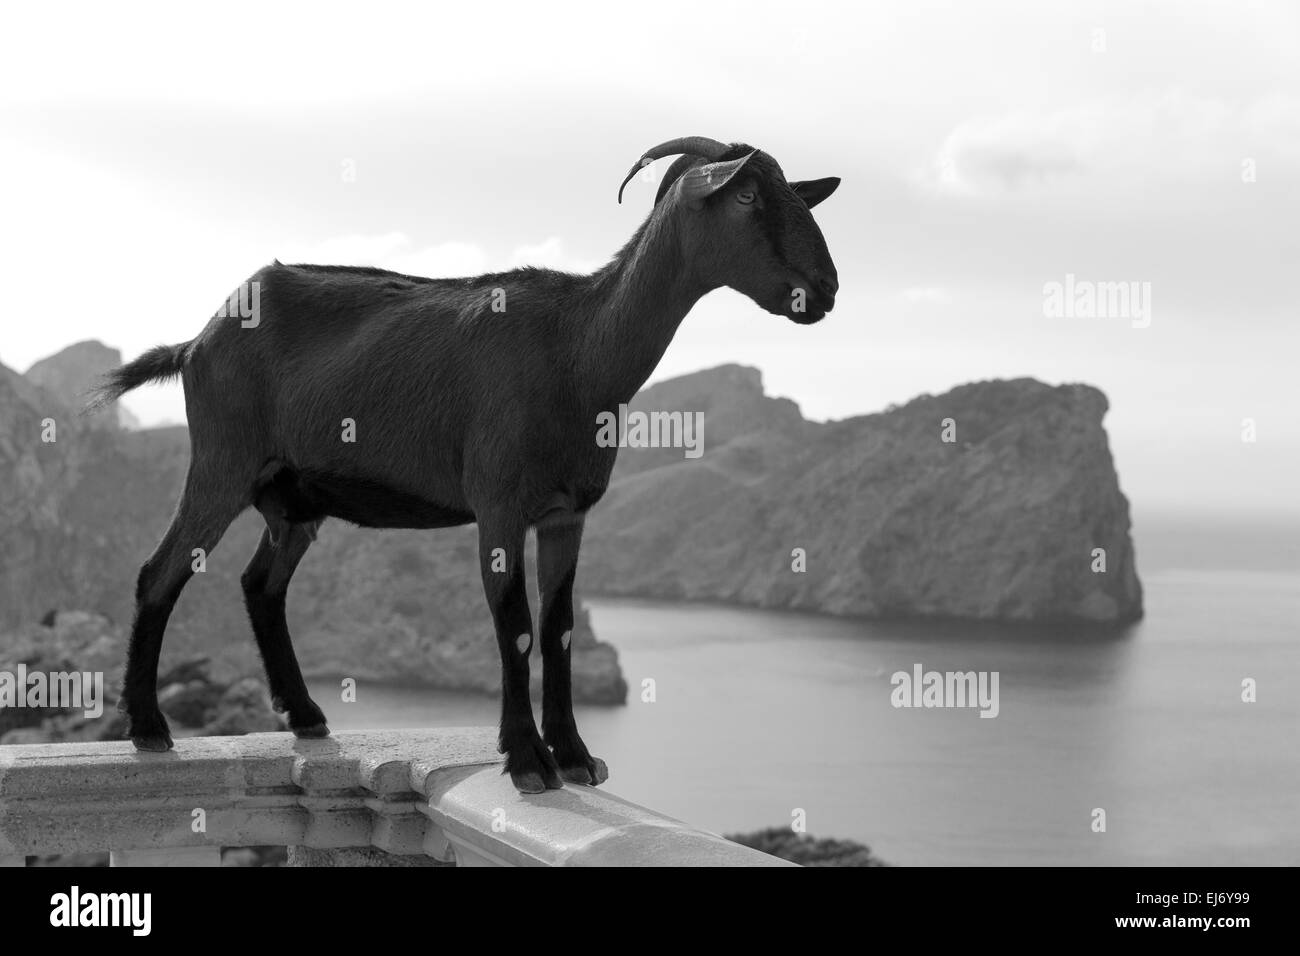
(69, 374)
(196, 702)
(1010, 520)
(807, 850)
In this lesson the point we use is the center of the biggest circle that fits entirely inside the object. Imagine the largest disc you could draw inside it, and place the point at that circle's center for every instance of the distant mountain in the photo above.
(69, 373)
(80, 514)
(999, 524)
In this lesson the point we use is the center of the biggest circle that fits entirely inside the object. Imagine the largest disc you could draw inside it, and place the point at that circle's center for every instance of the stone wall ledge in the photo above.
(408, 797)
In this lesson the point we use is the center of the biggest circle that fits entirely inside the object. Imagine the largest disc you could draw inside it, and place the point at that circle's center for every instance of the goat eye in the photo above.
(745, 196)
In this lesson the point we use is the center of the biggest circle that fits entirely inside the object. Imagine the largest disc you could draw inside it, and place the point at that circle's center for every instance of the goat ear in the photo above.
(700, 182)
(813, 191)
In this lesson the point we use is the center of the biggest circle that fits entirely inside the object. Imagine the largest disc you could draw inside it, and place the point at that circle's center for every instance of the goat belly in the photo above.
(372, 504)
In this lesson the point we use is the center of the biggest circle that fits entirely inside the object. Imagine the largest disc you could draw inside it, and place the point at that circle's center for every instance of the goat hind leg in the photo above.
(558, 542)
(266, 583)
(201, 519)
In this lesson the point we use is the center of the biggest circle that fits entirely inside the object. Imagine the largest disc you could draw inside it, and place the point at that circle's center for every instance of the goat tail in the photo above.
(159, 364)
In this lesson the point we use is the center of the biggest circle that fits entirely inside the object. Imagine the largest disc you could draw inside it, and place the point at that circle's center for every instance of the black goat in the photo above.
(471, 400)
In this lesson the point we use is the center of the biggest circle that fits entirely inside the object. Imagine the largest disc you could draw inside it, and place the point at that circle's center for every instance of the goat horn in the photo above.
(710, 149)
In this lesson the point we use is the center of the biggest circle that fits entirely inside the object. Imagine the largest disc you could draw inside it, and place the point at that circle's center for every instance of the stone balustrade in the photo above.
(374, 798)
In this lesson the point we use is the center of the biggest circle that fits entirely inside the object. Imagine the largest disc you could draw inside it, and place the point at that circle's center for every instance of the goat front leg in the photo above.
(501, 560)
(558, 542)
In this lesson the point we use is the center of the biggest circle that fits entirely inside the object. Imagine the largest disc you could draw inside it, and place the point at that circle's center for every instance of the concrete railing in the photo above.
(376, 798)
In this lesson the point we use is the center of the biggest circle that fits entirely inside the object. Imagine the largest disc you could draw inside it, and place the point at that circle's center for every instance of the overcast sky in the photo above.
(153, 158)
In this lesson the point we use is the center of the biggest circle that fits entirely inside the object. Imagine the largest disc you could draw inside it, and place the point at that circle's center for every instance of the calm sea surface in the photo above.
(759, 713)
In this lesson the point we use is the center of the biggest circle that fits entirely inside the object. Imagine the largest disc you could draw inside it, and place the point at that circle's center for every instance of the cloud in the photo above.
(550, 253)
(1003, 153)
(1185, 137)
(445, 260)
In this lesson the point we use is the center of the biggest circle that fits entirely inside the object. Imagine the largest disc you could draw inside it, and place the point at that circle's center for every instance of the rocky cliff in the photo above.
(78, 515)
(67, 374)
(884, 517)
(196, 703)
(1000, 522)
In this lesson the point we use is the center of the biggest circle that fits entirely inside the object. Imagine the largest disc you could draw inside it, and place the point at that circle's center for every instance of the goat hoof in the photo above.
(305, 719)
(528, 782)
(150, 733)
(153, 743)
(531, 781)
(532, 768)
(592, 773)
(579, 775)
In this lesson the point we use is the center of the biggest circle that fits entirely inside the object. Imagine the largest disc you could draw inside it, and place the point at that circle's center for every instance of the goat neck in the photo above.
(641, 297)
